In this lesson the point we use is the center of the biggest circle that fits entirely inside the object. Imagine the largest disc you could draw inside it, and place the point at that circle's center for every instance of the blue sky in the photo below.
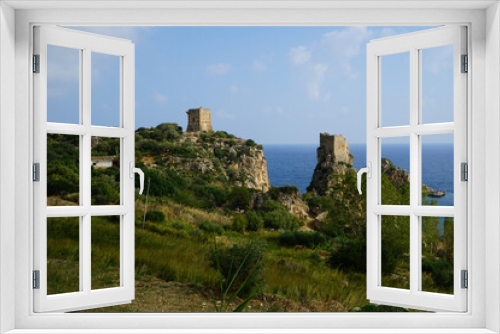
(272, 84)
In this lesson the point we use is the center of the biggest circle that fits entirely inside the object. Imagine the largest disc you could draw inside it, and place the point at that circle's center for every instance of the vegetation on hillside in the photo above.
(283, 262)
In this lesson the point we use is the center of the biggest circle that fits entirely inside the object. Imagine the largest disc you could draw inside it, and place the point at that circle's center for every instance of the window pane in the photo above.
(63, 85)
(105, 252)
(437, 170)
(105, 90)
(105, 171)
(395, 164)
(395, 251)
(63, 255)
(437, 254)
(63, 170)
(395, 89)
(437, 84)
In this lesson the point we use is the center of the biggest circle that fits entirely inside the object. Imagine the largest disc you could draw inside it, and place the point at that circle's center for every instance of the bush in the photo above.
(178, 225)
(255, 221)
(280, 219)
(155, 216)
(307, 239)
(271, 205)
(441, 272)
(211, 227)
(249, 257)
(351, 254)
(250, 143)
(239, 197)
(239, 223)
(220, 134)
(104, 194)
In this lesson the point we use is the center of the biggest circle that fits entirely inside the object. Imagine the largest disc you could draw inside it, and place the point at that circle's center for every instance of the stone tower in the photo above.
(199, 119)
(333, 158)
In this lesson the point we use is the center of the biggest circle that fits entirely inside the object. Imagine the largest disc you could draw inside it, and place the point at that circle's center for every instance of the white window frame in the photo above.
(86, 44)
(483, 21)
(413, 44)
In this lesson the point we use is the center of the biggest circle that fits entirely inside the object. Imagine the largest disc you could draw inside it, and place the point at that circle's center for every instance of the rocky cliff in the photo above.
(219, 155)
(333, 158)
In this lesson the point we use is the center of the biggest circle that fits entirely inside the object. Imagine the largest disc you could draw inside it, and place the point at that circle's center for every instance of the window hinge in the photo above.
(36, 279)
(36, 172)
(465, 279)
(465, 64)
(36, 63)
(464, 167)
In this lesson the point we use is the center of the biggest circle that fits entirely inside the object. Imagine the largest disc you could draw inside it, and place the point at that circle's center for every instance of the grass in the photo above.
(173, 274)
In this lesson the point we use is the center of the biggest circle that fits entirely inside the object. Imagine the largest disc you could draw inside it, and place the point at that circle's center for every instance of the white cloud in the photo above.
(218, 69)
(273, 110)
(160, 98)
(317, 79)
(437, 59)
(299, 55)
(259, 66)
(346, 44)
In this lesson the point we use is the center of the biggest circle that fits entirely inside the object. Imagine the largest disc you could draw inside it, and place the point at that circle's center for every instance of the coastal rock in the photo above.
(291, 199)
(397, 176)
(334, 158)
(231, 159)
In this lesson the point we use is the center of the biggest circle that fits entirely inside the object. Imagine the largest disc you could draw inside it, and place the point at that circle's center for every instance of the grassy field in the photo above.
(174, 275)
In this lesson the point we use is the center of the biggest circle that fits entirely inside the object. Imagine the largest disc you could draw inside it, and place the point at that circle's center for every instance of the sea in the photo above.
(294, 164)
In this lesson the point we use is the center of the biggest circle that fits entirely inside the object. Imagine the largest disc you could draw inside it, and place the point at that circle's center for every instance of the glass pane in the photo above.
(437, 84)
(105, 171)
(63, 85)
(395, 89)
(395, 252)
(63, 255)
(437, 254)
(105, 90)
(395, 166)
(63, 170)
(105, 252)
(437, 170)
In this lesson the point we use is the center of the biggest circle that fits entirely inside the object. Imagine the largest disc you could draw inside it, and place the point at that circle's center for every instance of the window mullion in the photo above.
(85, 167)
(415, 188)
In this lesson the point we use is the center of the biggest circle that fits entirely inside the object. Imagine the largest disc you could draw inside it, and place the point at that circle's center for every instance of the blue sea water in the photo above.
(294, 164)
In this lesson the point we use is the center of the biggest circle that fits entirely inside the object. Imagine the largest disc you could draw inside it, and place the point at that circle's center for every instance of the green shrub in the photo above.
(220, 134)
(211, 227)
(104, 194)
(178, 225)
(441, 272)
(250, 143)
(351, 254)
(255, 221)
(155, 216)
(239, 223)
(249, 257)
(271, 205)
(307, 239)
(239, 197)
(280, 219)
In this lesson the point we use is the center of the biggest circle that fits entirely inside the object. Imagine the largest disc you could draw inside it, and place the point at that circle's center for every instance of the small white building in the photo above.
(103, 162)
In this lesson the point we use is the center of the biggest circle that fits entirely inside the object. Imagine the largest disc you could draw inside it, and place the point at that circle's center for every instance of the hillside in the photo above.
(229, 160)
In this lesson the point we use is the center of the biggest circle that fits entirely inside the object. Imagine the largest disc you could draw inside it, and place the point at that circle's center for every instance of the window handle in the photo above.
(141, 176)
(368, 171)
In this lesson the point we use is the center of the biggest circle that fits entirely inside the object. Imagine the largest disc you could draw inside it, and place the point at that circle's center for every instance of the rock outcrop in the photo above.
(398, 177)
(226, 158)
(291, 199)
(333, 158)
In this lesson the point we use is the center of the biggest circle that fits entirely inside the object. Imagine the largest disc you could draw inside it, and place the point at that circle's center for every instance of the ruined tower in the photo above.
(334, 158)
(199, 119)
